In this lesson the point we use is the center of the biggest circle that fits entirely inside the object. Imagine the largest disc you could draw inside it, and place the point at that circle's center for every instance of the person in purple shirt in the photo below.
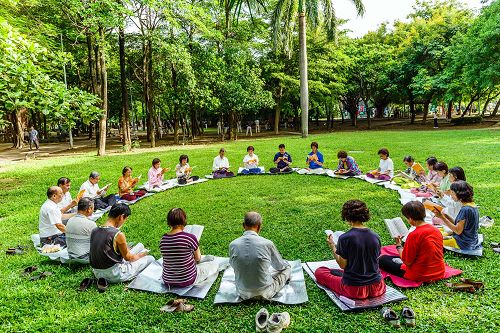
(314, 158)
(347, 165)
(282, 159)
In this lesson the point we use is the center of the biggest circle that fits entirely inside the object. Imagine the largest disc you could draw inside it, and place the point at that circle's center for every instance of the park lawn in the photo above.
(296, 209)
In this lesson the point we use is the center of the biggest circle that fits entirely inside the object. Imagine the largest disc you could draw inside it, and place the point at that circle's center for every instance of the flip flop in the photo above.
(102, 285)
(29, 270)
(177, 305)
(461, 287)
(41, 276)
(14, 251)
(85, 284)
(475, 284)
(390, 316)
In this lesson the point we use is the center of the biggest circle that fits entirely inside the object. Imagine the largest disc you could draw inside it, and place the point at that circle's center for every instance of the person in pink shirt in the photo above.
(155, 173)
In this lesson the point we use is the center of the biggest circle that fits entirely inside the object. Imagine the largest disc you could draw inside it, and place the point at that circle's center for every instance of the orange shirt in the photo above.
(125, 185)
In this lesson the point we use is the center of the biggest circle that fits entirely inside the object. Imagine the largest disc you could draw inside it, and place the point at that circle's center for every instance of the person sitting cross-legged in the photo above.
(156, 174)
(251, 256)
(385, 170)
(314, 159)
(183, 171)
(347, 165)
(93, 191)
(126, 184)
(282, 159)
(183, 264)
(220, 166)
(421, 259)
(50, 226)
(251, 162)
(110, 257)
(357, 254)
(78, 230)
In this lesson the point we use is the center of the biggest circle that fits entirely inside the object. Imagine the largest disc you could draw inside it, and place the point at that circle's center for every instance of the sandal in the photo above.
(408, 316)
(475, 284)
(461, 287)
(85, 284)
(102, 285)
(41, 276)
(29, 270)
(14, 251)
(177, 305)
(390, 316)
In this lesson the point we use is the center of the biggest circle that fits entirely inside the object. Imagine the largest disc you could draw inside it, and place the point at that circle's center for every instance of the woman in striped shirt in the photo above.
(182, 262)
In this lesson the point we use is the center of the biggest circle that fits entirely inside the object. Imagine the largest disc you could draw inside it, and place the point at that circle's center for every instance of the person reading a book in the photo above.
(251, 256)
(432, 176)
(220, 167)
(156, 174)
(414, 170)
(50, 226)
(444, 185)
(78, 230)
(465, 226)
(347, 166)
(183, 171)
(314, 159)
(126, 184)
(385, 170)
(421, 259)
(92, 190)
(282, 159)
(451, 207)
(356, 253)
(67, 203)
(183, 264)
(251, 162)
(110, 256)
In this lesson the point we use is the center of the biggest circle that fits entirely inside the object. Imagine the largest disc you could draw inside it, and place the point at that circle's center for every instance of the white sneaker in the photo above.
(278, 321)
(261, 319)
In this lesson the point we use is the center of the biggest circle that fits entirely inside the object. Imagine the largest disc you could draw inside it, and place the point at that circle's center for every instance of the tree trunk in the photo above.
(70, 135)
(176, 127)
(304, 93)
(413, 112)
(277, 112)
(90, 60)
(148, 98)
(495, 110)
(467, 108)
(104, 95)
(126, 137)
(426, 111)
(450, 109)
(18, 128)
(368, 115)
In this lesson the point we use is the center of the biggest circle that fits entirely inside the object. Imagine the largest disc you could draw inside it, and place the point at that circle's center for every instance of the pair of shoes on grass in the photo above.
(177, 305)
(18, 250)
(495, 247)
(274, 323)
(390, 316)
(102, 284)
(467, 285)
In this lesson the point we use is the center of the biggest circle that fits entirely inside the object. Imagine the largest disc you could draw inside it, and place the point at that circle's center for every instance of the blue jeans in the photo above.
(252, 171)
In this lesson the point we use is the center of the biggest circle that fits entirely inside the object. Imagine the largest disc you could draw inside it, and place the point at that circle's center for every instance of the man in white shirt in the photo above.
(93, 191)
(78, 231)
(50, 226)
(220, 166)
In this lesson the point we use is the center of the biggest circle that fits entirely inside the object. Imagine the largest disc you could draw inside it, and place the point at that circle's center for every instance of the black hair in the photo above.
(119, 209)
(383, 151)
(441, 166)
(342, 154)
(314, 144)
(176, 216)
(52, 190)
(409, 159)
(125, 169)
(252, 219)
(355, 211)
(458, 173)
(250, 148)
(85, 203)
(281, 146)
(463, 191)
(155, 161)
(63, 181)
(183, 157)
(414, 210)
(432, 161)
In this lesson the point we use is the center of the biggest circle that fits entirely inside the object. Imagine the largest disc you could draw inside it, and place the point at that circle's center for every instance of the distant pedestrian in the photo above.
(435, 120)
(257, 126)
(33, 138)
(249, 129)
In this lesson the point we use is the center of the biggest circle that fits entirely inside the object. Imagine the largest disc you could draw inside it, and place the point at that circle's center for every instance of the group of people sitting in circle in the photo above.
(357, 252)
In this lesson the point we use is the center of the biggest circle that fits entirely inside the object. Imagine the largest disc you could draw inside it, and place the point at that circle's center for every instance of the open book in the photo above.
(80, 194)
(432, 205)
(402, 175)
(194, 229)
(396, 227)
(418, 168)
(139, 248)
(335, 235)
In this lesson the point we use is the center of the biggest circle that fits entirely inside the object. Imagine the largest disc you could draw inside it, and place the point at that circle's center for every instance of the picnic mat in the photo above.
(294, 292)
(201, 180)
(127, 202)
(331, 173)
(391, 250)
(348, 304)
(372, 180)
(304, 171)
(150, 280)
(99, 213)
(470, 253)
(167, 184)
(61, 255)
(262, 171)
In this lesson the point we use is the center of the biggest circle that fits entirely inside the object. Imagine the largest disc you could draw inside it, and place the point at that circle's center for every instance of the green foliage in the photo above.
(467, 120)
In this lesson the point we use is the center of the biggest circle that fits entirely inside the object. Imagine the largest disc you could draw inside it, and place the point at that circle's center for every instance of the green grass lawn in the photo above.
(296, 209)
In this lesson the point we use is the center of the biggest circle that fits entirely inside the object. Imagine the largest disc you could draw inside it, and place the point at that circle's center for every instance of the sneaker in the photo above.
(408, 316)
(390, 316)
(261, 320)
(278, 321)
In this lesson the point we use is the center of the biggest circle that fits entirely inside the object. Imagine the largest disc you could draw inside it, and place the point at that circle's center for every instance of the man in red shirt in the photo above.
(421, 259)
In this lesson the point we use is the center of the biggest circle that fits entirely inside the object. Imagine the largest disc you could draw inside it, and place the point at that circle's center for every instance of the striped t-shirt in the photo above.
(179, 267)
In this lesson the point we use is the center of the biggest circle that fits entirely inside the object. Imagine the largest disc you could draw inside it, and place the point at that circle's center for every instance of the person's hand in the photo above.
(74, 202)
(421, 173)
(398, 240)
(135, 180)
(164, 170)
(331, 243)
(280, 158)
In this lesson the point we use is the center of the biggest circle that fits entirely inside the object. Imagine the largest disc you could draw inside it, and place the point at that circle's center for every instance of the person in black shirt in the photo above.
(282, 159)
